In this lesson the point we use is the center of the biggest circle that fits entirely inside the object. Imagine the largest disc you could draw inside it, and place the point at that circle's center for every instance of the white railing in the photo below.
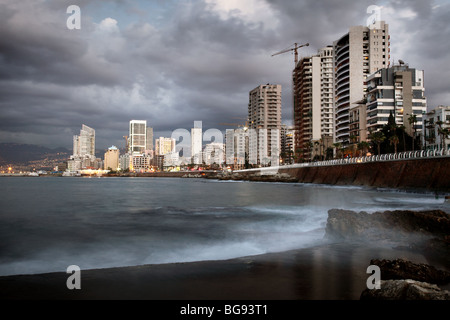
(410, 155)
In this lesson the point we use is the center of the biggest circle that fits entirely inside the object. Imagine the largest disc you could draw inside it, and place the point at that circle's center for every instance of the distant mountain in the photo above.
(15, 153)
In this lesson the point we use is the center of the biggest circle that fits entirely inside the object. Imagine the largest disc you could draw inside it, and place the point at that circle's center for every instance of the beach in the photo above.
(334, 271)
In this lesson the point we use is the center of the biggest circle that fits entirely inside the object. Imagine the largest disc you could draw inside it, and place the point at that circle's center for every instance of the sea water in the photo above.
(49, 223)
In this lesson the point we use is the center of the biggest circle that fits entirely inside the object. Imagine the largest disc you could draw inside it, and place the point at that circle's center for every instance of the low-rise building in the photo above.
(436, 126)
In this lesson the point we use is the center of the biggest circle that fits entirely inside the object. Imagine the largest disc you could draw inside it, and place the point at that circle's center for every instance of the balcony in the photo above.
(343, 81)
(341, 88)
(342, 50)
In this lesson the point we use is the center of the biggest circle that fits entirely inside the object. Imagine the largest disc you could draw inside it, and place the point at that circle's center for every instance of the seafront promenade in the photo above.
(411, 170)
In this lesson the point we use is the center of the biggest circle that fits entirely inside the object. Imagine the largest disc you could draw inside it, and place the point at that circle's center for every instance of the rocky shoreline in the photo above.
(424, 232)
(258, 177)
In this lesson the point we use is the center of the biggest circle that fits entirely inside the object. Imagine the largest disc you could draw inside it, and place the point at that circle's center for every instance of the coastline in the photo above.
(330, 271)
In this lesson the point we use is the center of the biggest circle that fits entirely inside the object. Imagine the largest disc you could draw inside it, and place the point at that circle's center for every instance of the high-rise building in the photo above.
(140, 146)
(149, 140)
(84, 151)
(112, 159)
(197, 143)
(313, 101)
(399, 91)
(84, 144)
(164, 146)
(357, 54)
(264, 121)
(138, 136)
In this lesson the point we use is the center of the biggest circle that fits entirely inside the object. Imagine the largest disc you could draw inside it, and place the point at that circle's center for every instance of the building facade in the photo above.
(399, 91)
(140, 137)
(84, 151)
(435, 129)
(112, 159)
(313, 101)
(359, 53)
(197, 143)
(214, 153)
(287, 144)
(164, 146)
(264, 122)
(237, 147)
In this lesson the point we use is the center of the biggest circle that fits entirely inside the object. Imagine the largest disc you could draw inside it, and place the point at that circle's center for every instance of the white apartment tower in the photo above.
(359, 53)
(84, 144)
(83, 150)
(138, 136)
(197, 143)
(264, 121)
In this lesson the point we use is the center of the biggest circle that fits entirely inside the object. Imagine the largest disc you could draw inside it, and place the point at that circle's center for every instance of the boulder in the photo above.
(405, 290)
(427, 232)
(402, 228)
(400, 269)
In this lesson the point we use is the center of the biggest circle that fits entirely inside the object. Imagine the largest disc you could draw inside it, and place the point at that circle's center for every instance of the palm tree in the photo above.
(363, 146)
(394, 140)
(443, 132)
(378, 138)
(403, 129)
(431, 137)
(353, 141)
(338, 147)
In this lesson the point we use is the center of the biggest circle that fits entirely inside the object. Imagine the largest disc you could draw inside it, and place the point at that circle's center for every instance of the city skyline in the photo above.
(176, 62)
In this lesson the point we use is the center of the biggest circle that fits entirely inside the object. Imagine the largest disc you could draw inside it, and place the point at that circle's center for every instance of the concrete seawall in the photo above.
(430, 174)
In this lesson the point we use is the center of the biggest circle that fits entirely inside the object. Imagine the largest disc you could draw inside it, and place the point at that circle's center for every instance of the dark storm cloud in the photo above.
(178, 61)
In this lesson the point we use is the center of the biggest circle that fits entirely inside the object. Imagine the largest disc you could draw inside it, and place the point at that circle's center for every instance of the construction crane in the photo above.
(295, 49)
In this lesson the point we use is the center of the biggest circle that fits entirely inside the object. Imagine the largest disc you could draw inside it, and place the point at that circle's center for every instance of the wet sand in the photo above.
(325, 272)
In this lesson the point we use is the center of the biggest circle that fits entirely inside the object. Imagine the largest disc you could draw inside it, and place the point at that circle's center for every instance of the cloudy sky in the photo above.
(172, 62)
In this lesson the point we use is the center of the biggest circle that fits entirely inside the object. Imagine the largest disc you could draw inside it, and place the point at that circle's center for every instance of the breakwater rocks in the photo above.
(255, 176)
(424, 232)
(406, 289)
(400, 269)
(400, 226)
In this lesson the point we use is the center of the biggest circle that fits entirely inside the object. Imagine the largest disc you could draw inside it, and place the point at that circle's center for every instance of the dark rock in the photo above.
(427, 232)
(392, 227)
(345, 224)
(405, 290)
(402, 269)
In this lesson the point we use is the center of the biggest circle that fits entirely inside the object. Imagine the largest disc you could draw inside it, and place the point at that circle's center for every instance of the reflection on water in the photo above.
(339, 271)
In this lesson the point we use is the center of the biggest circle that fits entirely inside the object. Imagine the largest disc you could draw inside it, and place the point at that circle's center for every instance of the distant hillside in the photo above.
(14, 153)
